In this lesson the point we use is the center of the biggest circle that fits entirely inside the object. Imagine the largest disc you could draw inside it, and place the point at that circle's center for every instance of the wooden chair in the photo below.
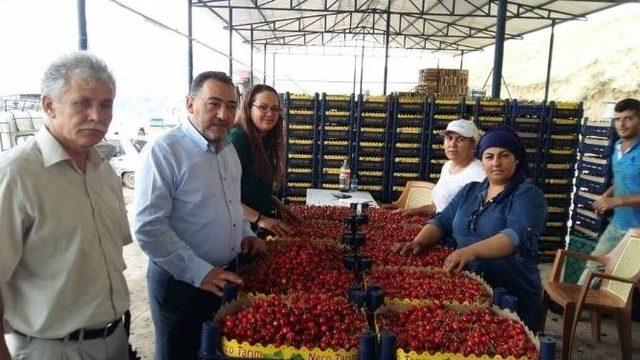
(622, 271)
(415, 193)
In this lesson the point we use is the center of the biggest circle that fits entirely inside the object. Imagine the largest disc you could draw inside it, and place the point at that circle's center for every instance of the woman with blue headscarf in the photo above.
(496, 223)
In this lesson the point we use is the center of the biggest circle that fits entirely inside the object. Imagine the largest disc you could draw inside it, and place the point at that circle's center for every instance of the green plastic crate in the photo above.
(574, 267)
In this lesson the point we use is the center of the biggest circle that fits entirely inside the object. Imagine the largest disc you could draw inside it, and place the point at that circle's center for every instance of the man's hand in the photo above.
(459, 259)
(215, 280)
(408, 247)
(604, 204)
(253, 245)
(275, 226)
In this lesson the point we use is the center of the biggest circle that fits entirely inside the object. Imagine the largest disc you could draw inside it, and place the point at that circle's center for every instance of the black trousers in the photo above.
(178, 310)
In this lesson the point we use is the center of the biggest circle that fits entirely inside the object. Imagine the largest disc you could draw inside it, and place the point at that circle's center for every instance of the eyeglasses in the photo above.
(264, 109)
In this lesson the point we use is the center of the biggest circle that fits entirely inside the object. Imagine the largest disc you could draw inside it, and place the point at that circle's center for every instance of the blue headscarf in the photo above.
(504, 137)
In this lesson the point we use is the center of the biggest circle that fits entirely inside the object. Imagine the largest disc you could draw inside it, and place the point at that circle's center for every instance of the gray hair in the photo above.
(58, 75)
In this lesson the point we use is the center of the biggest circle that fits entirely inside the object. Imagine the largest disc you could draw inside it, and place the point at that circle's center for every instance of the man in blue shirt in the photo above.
(189, 218)
(623, 197)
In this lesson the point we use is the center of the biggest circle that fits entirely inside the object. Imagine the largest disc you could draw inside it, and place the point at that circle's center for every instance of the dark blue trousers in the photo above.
(178, 310)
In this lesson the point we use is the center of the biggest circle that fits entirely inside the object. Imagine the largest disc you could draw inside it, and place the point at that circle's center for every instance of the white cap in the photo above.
(465, 128)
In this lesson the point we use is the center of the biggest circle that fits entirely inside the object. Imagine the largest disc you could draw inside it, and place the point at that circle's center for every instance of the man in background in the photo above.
(623, 197)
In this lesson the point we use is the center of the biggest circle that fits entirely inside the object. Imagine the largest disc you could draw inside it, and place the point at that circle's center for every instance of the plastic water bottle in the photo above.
(353, 184)
(345, 176)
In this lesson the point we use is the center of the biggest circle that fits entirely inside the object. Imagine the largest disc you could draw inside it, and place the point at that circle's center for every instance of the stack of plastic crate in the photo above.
(301, 119)
(372, 144)
(557, 167)
(527, 119)
(594, 177)
(441, 112)
(468, 109)
(408, 141)
(489, 113)
(335, 137)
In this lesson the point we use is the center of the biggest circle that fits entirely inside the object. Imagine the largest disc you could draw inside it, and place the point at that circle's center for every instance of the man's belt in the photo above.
(86, 334)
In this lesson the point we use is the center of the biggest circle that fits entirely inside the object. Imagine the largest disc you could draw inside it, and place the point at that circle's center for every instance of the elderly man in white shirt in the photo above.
(63, 226)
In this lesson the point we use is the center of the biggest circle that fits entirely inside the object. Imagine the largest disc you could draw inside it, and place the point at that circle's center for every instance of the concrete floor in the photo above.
(584, 348)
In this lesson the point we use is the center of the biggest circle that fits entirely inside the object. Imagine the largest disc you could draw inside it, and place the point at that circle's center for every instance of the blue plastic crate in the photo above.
(300, 134)
(335, 119)
(600, 150)
(551, 141)
(293, 191)
(410, 107)
(589, 221)
(591, 185)
(336, 104)
(606, 131)
(300, 176)
(307, 119)
(603, 170)
(582, 201)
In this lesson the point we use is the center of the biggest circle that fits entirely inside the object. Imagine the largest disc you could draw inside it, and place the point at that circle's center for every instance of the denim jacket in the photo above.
(521, 216)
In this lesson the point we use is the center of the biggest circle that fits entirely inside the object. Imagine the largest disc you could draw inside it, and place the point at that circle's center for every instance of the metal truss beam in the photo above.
(420, 25)
(396, 41)
(417, 9)
(364, 31)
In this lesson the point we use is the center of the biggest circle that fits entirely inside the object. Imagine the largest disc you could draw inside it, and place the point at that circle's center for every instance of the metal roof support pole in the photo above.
(82, 25)
(461, 58)
(190, 46)
(386, 49)
(546, 84)
(273, 84)
(251, 59)
(501, 24)
(264, 64)
(355, 71)
(231, 43)
(361, 64)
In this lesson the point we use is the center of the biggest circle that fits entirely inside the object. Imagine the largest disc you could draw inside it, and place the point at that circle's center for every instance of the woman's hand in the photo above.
(412, 247)
(411, 211)
(459, 259)
(287, 210)
(275, 226)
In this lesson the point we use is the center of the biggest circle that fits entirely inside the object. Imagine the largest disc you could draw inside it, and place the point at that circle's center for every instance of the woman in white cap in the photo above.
(460, 140)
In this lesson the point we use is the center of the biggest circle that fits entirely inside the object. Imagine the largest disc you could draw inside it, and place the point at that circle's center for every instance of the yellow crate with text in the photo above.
(244, 350)
(401, 354)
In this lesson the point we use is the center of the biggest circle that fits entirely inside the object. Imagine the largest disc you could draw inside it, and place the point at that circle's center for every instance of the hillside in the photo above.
(594, 61)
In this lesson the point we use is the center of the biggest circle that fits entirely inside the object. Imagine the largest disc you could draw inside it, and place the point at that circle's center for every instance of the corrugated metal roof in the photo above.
(447, 25)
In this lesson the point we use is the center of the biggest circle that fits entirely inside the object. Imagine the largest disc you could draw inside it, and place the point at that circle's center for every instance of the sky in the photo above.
(150, 63)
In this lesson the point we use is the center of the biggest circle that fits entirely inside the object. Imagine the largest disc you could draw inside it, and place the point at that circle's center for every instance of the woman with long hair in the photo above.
(259, 140)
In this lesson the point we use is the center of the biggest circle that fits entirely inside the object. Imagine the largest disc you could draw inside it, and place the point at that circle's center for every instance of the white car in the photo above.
(125, 164)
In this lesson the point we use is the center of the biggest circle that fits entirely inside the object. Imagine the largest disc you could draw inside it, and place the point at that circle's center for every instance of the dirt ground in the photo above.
(142, 327)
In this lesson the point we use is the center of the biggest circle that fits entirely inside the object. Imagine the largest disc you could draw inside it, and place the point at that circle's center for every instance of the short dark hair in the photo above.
(628, 104)
(199, 81)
